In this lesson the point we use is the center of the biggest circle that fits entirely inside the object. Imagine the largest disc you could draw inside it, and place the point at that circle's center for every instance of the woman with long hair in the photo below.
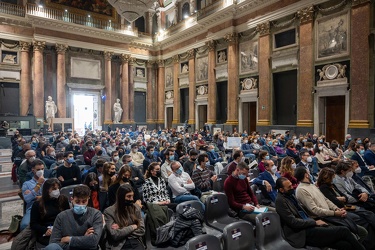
(287, 170)
(123, 222)
(109, 175)
(45, 210)
(98, 199)
(123, 177)
(154, 189)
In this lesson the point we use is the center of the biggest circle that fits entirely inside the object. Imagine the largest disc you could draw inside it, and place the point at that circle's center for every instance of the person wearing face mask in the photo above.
(362, 161)
(123, 222)
(137, 157)
(309, 162)
(301, 230)
(50, 158)
(230, 167)
(166, 170)
(287, 170)
(357, 177)
(240, 196)
(268, 179)
(44, 211)
(202, 177)
(115, 158)
(292, 152)
(321, 156)
(190, 165)
(24, 170)
(150, 157)
(98, 199)
(32, 189)
(137, 176)
(263, 157)
(181, 184)
(74, 147)
(247, 149)
(214, 159)
(99, 154)
(79, 227)
(108, 177)
(69, 173)
(90, 153)
(111, 147)
(155, 188)
(355, 193)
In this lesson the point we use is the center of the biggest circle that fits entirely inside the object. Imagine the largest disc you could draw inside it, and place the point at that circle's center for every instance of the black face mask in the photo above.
(158, 173)
(124, 179)
(290, 192)
(112, 173)
(94, 187)
(128, 202)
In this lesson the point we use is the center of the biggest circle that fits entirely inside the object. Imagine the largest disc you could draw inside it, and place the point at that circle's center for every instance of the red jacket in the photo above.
(239, 193)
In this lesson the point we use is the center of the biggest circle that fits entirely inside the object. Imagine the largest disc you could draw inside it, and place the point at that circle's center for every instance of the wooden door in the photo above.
(202, 115)
(253, 117)
(335, 118)
(169, 117)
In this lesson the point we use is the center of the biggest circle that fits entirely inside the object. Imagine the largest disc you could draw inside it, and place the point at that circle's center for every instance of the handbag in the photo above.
(15, 224)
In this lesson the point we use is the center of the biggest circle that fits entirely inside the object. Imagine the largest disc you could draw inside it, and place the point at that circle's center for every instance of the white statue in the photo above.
(51, 110)
(118, 111)
(185, 68)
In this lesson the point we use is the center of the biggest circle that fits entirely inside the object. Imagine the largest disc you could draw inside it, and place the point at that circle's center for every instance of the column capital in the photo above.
(108, 55)
(61, 48)
(211, 45)
(231, 37)
(264, 28)
(39, 46)
(160, 63)
(191, 54)
(25, 46)
(125, 58)
(358, 2)
(306, 15)
(150, 63)
(176, 58)
(132, 60)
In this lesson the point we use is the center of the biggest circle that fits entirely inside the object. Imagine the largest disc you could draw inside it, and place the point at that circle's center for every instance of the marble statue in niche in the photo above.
(185, 68)
(51, 110)
(140, 72)
(118, 111)
(222, 56)
(8, 58)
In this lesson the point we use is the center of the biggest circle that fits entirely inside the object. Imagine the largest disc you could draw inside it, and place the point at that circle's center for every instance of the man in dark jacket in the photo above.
(300, 230)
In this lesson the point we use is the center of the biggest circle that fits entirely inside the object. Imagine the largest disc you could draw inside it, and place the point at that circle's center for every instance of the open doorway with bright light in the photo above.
(85, 112)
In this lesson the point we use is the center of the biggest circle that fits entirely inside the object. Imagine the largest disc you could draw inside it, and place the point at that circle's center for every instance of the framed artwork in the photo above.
(184, 67)
(140, 72)
(168, 77)
(332, 36)
(202, 69)
(170, 17)
(221, 56)
(100, 7)
(249, 57)
(9, 57)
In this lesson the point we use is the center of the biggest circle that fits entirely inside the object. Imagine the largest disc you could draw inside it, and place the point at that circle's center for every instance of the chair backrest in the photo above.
(204, 241)
(68, 190)
(268, 229)
(80, 158)
(254, 173)
(257, 192)
(216, 207)
(84, 167)
(239, 236)
(218, 185)
(186, 204)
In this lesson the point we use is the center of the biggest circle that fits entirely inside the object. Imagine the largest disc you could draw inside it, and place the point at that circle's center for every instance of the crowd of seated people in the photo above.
(313, 185)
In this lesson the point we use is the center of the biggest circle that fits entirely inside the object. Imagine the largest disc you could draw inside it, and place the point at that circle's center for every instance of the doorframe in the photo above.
(199, 102)
(246, 96)
(73, 92)
(166, 106)
(327, 91)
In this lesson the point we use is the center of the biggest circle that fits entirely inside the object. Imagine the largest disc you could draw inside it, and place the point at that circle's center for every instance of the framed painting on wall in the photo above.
(202, 69)
(332, 36)
(169, 77)
(249, 57)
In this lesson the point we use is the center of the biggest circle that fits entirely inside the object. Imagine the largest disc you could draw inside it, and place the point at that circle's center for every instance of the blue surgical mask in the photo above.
(179, 171)
(20, 147)
(270, 143)
(321, 141)
(212, 150)
(359, 141)
(349, 139)
(362, 151)
(79, 209)
(130, 164)
(241, 176)
(171, 157)
(267, 157)
(70, 160)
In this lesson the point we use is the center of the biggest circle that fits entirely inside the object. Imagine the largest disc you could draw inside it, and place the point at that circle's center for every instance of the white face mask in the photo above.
(274, 169)
(294, 165)
(349, 174)
(321, 148)
(31, 159)
(55, 193)
(309, 159)
(255, 141)
(116, 158)
(358, 170)
(39, 173)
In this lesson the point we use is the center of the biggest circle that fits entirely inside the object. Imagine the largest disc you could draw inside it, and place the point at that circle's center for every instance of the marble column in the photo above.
(108, 90)
(61, 80)
(212, 89)
(192, 91)
(131, 89)
(124, 88)
(233, 81)
(25, 86)
(264, 104)
(161, 93)
(176, 90)
(38, 91)
(150, 94)
(359, 63)
(306, 75)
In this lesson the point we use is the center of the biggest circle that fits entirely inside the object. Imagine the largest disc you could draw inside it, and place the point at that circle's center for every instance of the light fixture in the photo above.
(131, 10)
(66, 10)
(88, 16)
(186, 16)
(40, 6)
(110, 21)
